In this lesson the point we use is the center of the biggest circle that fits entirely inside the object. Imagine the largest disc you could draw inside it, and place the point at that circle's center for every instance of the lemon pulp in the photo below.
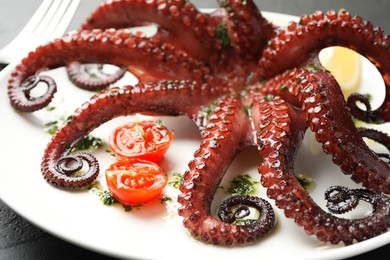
(345, 65)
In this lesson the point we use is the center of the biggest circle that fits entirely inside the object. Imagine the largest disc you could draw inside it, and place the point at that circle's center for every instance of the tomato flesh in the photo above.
(146, 140)
(135, 181)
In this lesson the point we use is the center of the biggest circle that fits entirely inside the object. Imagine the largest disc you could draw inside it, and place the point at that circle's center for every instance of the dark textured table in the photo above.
(21, 240)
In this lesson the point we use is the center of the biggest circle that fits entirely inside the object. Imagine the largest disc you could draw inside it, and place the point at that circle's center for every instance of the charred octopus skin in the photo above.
(266, 87)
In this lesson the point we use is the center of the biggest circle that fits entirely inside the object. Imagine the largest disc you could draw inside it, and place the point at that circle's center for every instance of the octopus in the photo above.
(244, 82)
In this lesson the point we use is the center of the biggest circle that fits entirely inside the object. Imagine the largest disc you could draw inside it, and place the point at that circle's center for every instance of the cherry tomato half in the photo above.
(146, 140)
(135, 181)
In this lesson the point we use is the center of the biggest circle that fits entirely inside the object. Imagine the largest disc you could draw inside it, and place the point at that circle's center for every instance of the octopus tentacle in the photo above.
(298, 42)
(366, 115)
(278, 146)
(247, 29)
(119, 47)
(152, 98)
(340, 199)
(221, 141)
(317, 31)
(28, 85)
(379, 137)
(320, 97)
(179, 22)
(81, 75)
(195, 59)
(265, 221)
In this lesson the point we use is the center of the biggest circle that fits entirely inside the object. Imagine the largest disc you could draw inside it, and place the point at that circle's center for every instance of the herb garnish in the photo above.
(222, 34)
(242, 185)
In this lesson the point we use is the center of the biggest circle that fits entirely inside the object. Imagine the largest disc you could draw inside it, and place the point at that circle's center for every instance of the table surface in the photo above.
(20, 239)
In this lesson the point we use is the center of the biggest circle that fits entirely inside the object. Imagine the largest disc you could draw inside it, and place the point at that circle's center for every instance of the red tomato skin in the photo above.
(145, 140)
(135, 181)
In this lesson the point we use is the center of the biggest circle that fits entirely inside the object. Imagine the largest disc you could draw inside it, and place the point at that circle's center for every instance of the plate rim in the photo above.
(16, 204)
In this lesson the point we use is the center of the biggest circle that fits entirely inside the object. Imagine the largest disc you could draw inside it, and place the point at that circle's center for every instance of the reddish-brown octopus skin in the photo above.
(326, 111)
(91, 76)
(199, 60)
(247, 29)
(144, 57)
(227, 133)
(292, 47)
(180, 23)
(149, 98)
(279, 145)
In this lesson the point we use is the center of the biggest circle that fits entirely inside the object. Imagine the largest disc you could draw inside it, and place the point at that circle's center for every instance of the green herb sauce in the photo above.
(242, 185)
(312, 68)
(222, 35)
(51, 127)
(284, 88)
(105, 196)
(269, 97)
(165, 199)
(178, 179)
(307, 182)
(89, 142)
(206, 111)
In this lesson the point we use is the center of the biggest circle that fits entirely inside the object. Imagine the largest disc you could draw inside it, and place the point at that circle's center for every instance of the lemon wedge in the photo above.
(345, 65)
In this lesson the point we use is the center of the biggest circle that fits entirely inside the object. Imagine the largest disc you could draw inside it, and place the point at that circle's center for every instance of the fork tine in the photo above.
(65, 20)
(50, 20)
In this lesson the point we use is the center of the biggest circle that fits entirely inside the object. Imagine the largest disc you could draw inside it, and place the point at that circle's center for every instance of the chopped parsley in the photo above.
(51, 127)
(269, 97)
(222, 35)
(165, 199)
(249, 77)
(89, 142)
(70, 118)
(225, 5)
(242, 185)
(206, 111)
(110, 152)
(50, 108)
(178, 179)
(105, 196)
(284, 88)
(306, 182)
(312, 68)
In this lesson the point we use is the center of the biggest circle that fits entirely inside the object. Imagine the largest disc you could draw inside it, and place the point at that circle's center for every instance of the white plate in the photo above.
(154, 231)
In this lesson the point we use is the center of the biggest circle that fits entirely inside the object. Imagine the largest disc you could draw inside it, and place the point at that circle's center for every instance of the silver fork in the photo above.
(50, 21)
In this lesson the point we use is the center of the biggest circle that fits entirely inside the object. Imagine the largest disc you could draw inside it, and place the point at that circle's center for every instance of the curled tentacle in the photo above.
(152, 98)
(320, 97)
(299, 42)
(364, 115)
(92, 76)
(223, 138)
(340, 199)
(195, 58)
(379, 137)
(265, 221)
(67, 168)
(118, 47)
(25, 101)
(278, 144)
